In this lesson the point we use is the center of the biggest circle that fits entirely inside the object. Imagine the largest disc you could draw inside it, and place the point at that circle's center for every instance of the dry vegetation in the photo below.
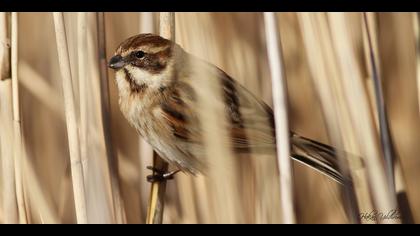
(68, 155)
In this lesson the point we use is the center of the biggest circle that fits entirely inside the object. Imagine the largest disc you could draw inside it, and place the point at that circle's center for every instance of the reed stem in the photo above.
(17, 147)
(386, 141)
(383, 196)
(279, 90)
(326, 78)
(106, 122)
(158, 189)
(71, 121)
(4, 47)
(10, 210)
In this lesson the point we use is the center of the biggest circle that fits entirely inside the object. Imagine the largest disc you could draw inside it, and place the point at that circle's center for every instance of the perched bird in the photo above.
(155, 78)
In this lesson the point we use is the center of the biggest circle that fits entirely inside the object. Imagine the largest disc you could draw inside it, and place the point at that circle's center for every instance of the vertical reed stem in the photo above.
(146, 22)
(384, 198)
(280, 116)
(71, 122)
(158, 189)
(147, 25)
(83, 77)
(326, 78)
(386, 141)
(106, 122)
(4, 47)
(17, 147)
(157, 194)
(10, 210)
(6, 153)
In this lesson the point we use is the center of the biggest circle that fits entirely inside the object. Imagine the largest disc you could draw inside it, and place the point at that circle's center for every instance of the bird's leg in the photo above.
(159, 175)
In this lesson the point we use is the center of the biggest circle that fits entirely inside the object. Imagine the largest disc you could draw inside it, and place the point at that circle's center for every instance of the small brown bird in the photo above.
(155, 79)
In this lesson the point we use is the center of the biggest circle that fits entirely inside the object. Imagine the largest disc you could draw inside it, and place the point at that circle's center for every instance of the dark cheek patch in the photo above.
(134, 87)
(153, 63)
(150, 64)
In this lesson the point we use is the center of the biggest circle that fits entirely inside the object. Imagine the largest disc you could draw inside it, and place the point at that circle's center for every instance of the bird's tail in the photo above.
(317, 156)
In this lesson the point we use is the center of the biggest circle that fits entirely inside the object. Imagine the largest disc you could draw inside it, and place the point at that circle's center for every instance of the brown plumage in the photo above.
(155, 79)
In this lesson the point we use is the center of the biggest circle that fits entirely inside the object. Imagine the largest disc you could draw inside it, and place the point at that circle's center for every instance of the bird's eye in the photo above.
(139, 54)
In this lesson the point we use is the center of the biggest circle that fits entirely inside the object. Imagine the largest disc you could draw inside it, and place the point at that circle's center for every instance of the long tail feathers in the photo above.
(317, 156)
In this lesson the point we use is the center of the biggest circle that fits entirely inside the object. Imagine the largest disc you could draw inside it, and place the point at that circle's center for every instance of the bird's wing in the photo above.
(251, 120)
(184, 134)
(253, 129)
(250, 125)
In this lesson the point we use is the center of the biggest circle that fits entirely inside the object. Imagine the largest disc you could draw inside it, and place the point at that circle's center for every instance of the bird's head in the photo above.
(144, 60)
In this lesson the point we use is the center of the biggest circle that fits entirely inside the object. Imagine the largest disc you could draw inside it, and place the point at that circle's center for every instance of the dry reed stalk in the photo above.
(157, 194)
(383, 196)
(83, 77)
(397, 45)
(99, 210)
(10, 211)
(280, 115)
(384, 132)
(396, 180)
(17, 138)
(158, 189)
(147, 25)
(106, 123)
(371, 22)
(4, 47)
(147, 22)
(97, 177)
(71, 121)
(326, 76)
(37, 86)
(6, 153)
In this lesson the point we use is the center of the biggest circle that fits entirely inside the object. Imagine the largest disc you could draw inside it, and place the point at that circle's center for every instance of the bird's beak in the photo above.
(116, 62)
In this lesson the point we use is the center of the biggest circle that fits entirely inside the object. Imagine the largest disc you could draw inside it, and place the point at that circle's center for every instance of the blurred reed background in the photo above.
(331, 98)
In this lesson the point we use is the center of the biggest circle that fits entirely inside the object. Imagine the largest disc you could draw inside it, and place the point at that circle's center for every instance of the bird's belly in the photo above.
(152, 126)
(170, 148)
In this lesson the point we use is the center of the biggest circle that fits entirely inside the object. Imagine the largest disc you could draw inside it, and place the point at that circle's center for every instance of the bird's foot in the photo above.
(160, 175)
